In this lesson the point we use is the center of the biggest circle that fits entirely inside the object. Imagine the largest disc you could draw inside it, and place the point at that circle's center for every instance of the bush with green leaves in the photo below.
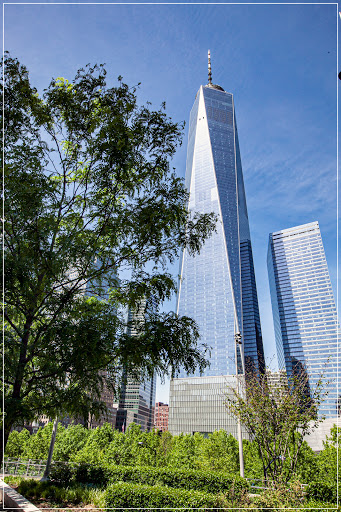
(70, 441)
(329, 459)
(281, 495)
(101, 474)
(124, 495)
(218, 452)
(17, 444)
(107, 447)
(322, 491)
(62, 472)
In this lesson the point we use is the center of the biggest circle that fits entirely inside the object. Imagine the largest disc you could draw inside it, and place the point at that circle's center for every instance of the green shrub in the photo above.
(13, 480)
(281, 495)
(128, 495)
(321, 506)
(180, 478)
(94, 473)
(62, 472)
(28, 488)
(322, 491)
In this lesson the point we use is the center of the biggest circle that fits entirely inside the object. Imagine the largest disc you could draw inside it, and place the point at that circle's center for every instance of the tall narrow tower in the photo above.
(217, 287)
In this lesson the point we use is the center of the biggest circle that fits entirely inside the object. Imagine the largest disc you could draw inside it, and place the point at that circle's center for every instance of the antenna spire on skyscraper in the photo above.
(209, 68)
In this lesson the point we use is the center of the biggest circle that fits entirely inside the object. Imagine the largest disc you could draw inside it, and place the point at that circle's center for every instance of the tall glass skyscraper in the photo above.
(303, 306)
(217, 287)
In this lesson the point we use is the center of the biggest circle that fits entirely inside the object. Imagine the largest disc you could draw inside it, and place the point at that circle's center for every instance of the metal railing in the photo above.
(19, 467)
(259, 483)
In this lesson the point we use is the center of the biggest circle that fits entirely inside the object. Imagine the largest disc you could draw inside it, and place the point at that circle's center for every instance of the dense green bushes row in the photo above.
(125, 495)
(218, 452)
(232, 486)
(101, 474)
(182, 478)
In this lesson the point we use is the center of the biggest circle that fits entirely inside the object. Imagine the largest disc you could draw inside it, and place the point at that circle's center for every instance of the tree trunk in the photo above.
(4, 433)
(13, 413)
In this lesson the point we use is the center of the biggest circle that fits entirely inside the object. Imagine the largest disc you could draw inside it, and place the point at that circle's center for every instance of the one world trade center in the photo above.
(217, 287)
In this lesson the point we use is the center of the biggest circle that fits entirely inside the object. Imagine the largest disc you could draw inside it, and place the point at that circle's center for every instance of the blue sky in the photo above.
(278, 60)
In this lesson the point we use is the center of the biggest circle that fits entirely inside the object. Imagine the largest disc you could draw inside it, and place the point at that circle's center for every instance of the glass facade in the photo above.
(136, 404)
(217, 287)
(303, 306)
(137, 399)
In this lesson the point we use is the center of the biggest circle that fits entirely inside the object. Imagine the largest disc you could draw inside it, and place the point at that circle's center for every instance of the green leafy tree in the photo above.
(89, 193)
(185, 450)
(120, 450)
(219, 452)
(96, 445)
(70, 441)
(39, 443)
(277, 416)
(252, 462)
(17, 444)
(165, 448)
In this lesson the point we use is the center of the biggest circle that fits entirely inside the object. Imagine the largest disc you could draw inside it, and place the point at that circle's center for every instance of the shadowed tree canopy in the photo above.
(89, 194)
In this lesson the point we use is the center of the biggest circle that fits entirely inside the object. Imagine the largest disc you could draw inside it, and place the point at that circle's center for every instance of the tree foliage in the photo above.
(277, 415)
(329, 459)
(89, 193)
(219, 452)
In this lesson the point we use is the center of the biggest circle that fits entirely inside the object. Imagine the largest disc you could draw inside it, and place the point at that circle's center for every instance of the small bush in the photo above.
(28, 488)
(281, 495)
(62, 472)
(179, 478)
(128, 495)
(322, 491)
(92, 473)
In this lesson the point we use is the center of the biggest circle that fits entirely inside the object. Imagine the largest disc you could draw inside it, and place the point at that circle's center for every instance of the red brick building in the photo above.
(161, 416)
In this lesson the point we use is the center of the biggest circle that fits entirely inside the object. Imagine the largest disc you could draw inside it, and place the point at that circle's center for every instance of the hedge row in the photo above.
(125, 495)
(180, 478)
(102, 474)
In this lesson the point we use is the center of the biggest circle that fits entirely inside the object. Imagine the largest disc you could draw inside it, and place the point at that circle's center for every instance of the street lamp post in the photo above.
(238, 343)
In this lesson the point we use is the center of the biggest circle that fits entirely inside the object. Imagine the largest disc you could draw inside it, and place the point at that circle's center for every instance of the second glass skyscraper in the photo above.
(304, 311)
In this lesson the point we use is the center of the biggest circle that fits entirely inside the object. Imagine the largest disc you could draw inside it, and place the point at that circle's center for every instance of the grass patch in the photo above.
(56, 495)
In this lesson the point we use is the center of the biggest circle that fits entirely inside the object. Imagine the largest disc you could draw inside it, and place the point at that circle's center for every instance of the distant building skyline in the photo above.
(304, 312)
(217, 287)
